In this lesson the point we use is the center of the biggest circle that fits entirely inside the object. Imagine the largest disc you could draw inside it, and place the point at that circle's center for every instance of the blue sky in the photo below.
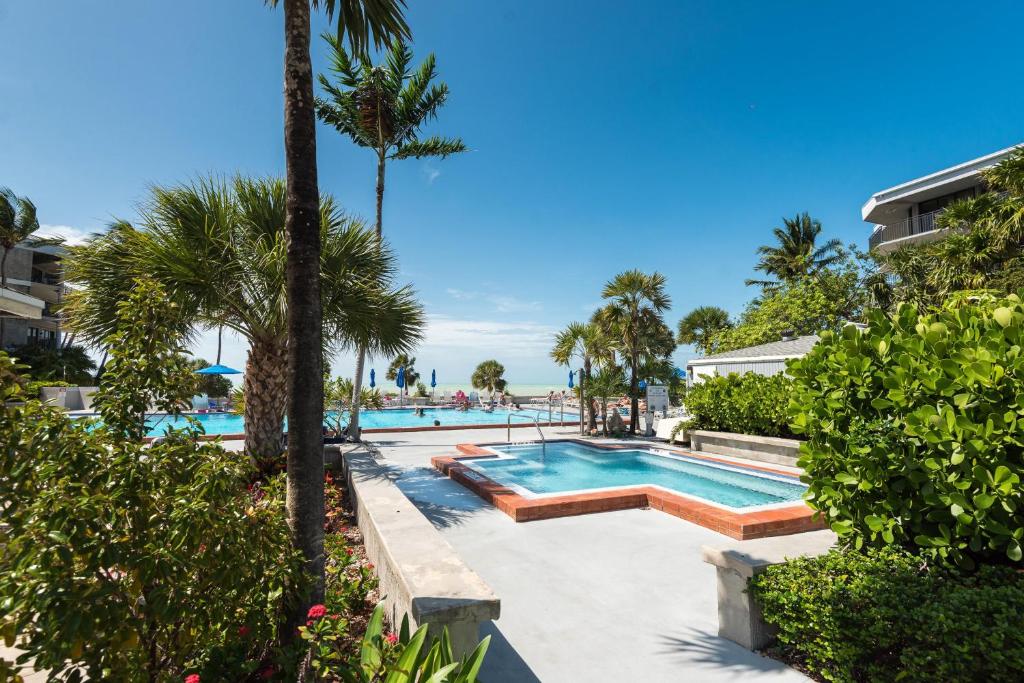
(665, 136)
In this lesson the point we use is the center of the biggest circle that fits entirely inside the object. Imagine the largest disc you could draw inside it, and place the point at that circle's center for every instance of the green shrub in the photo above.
(129, 562)
(882, 617)
(744, 404)
(915, 430)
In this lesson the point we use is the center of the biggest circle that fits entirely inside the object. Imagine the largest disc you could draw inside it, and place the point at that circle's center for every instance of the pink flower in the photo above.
(348, 551)
(192, 678)
(369, 565)
(243, 631)
(316, 611)
(391, 638)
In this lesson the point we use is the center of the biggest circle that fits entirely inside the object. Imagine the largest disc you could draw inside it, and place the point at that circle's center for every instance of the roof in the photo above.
(776, 350)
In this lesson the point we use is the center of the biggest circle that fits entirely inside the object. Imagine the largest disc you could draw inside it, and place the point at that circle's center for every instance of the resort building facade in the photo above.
(31, 299)
(763, 359)
(905, 214)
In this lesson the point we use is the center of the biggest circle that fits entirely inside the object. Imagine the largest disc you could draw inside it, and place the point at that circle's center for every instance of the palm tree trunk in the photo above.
(634, 402)
(585, 408)
(266, 385)
(305, 494)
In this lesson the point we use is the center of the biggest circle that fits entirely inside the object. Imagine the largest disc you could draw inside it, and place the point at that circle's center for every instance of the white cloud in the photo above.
(461, 293)
(503, 303)
(71, 236)
(431, 173)
(487, 337)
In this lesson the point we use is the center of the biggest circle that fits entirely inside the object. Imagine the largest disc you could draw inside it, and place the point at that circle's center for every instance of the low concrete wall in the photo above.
(69, 398)
(739, 615)
(663, 430)
(420, 573)
(764, 448)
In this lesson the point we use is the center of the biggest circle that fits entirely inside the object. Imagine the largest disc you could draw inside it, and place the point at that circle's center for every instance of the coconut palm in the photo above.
(585, 343)
(632, 320)
(489, 376)
(402, 360)
(700, 325)
(607, 382)
(219, 250)
(797, 253)
(383, 108)
(17, 223)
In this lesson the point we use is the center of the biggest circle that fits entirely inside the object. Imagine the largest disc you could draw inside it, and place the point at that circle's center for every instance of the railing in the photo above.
(915, 225)
(536, 423)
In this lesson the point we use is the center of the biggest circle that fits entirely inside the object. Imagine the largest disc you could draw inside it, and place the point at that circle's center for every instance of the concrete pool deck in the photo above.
(617, 596)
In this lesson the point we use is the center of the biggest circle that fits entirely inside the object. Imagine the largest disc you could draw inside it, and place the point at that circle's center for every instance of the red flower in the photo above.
(192, 678)
(316, 611)
(348, 551)
(267, 673)
(391, 638)
(369, 565)
(243, 631)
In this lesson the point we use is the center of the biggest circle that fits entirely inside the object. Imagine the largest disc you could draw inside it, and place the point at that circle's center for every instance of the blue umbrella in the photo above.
(373, 378)
(218, 370)
(433, 378)
(570, 379)
(642, 385)
(400, 380)
(680, 373)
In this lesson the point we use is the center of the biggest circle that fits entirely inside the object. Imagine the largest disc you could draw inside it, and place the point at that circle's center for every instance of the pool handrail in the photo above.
(536, 423)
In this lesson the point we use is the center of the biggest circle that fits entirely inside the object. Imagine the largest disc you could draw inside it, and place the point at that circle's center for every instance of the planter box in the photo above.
(764, 448)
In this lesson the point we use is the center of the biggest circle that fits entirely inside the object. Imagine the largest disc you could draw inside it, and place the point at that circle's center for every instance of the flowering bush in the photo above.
(130, 562)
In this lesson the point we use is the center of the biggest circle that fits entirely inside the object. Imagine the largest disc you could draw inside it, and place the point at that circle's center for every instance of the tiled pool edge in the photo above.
(742, 526)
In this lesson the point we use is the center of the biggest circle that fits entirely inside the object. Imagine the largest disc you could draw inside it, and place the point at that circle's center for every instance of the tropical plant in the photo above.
(127, 561)
(608, 382)
(363, 22)
(632, 321)
(489, 376)
(70, 364)
(585, 343)
(912, 429)
(700, 325)
(743, 404)
(383, 108)
(403, 360)
(887, 615)
(217, 386)
(796, 254)
(17, 223)
(218, 249)
(338, 402)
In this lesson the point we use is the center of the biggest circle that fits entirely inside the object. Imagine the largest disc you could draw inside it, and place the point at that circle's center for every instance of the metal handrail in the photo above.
(536, 423)
(915, 225)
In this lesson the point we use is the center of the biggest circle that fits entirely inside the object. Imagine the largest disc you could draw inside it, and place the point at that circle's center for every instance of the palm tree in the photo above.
(219, 249)
(607, 382)
(583, 342)
(632, 319)
(796, 255)
(383, 109)
(489, 376)
(700, 325)
(402, 360)
(363, 22)
(17, 223)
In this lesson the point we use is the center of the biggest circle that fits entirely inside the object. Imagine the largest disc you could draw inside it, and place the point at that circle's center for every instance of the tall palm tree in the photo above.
(17, 223)
(489, 376)
(219, 250)
(363, 22)
(586, 343)
(402, 360)
(383, 108)
(700, 325)
(632, 319)
(797, 253)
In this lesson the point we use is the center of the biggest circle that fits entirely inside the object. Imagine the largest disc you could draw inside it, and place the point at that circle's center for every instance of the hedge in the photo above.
(743, 404)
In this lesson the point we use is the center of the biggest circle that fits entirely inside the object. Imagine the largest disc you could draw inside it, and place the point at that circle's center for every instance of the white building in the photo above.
(905, 214)
(764, 359)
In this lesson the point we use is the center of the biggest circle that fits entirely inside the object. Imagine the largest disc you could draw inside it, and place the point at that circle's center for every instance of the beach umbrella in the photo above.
(373, 378)
(218, 370)
(570, 379)
(642, 385)
(433, 378)
(400, 379)
(680, 373)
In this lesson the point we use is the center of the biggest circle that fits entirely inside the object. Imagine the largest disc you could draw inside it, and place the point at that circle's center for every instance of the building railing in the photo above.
(915, 225)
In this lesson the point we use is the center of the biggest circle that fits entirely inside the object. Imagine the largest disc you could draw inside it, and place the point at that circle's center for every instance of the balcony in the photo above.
(887, 236)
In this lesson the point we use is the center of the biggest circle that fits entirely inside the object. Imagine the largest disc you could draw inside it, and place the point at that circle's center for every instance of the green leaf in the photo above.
(1013, 551)
(403, 669)
(983, 501)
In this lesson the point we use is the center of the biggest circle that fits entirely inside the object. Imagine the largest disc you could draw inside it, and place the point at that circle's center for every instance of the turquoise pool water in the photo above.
(228, 423)
(573, 467)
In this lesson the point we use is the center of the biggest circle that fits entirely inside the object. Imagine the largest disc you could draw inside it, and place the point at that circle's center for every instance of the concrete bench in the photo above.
(739, 615)
(769, 449)
(420, 573)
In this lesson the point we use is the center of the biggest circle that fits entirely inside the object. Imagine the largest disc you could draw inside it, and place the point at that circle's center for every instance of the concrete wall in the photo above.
(764, 448)
(69, 398)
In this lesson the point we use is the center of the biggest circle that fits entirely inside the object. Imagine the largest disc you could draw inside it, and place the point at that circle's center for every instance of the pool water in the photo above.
(569, 466)
(229, 423)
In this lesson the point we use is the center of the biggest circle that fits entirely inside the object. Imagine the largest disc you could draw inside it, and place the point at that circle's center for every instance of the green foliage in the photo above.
(886, 616)
(421, 390)
(403, 360)
(796, 254)
(700, 325)
(71, 365)
(397, 658)
(489, 376)
(126, 561)
(215, 386)
(742, 404)
(338, 401)
(914, 429)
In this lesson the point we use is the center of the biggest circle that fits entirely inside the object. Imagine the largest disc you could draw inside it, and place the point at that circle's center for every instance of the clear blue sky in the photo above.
(665, 136)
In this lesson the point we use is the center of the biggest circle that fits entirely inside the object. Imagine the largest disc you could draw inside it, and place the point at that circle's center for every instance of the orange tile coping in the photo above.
(779, 521)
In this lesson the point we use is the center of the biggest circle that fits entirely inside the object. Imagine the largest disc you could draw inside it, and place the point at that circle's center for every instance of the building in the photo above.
(905, 214)
(764, 359)
(34, 291)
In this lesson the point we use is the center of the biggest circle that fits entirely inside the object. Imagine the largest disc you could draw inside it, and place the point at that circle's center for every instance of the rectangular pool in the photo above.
(565, 467)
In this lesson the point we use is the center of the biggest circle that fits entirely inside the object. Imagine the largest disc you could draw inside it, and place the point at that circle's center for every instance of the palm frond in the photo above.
(433, 146)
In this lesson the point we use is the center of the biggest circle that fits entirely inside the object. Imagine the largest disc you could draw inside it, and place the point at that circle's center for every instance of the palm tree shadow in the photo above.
(702, 647)
(442, 501)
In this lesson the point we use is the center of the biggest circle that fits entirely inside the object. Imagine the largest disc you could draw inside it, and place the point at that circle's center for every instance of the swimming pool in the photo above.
(565, 466)
(229, 423)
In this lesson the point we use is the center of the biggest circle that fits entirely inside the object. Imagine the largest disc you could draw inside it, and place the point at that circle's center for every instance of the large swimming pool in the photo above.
(567, 466)
(229, 423)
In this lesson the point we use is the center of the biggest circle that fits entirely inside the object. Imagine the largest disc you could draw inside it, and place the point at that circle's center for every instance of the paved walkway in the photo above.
(618, 596)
